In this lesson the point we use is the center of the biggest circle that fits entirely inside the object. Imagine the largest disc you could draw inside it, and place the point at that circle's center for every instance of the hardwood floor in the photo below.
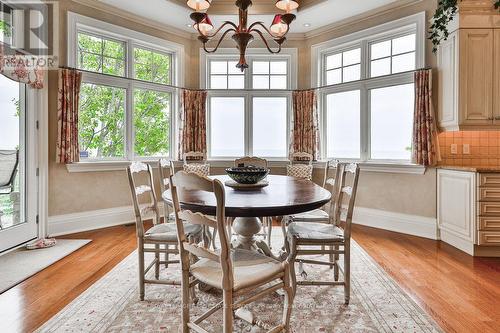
(462, 293)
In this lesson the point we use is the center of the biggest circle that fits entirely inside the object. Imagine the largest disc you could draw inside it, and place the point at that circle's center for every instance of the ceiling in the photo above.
(314, 14)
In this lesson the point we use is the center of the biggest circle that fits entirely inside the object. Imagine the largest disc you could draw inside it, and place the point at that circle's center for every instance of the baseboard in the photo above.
(403, 223)
(91, 220)
(465, 245)
(77, 222)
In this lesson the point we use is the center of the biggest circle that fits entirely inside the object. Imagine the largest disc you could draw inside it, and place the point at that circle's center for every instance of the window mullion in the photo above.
(129, 123)
(365, 123)
(249, 124)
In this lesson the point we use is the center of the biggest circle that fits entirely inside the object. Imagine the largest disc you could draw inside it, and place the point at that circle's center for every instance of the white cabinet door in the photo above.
(448, 83)
(457, 208)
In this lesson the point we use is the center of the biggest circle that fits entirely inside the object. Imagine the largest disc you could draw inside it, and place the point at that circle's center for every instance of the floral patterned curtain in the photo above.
(425, 135)
(13, 64)
(67, 147)
(193, 124)
(305, 131)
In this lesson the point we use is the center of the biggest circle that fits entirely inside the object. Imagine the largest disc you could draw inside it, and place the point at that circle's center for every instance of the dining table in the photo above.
(282, 196)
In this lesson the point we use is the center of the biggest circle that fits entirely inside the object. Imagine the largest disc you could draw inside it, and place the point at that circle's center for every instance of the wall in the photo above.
(72, 193)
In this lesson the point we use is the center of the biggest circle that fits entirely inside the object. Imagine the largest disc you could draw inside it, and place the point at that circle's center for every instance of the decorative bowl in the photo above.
(247, 174)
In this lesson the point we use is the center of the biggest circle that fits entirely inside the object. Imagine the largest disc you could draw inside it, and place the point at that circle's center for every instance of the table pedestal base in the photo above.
(246, 228)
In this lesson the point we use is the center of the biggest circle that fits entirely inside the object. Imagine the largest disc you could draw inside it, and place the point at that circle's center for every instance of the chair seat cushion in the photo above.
(315, 231)
(302, 171)
(250, 269)
(167, 232)
(197, 168)
(317, 215)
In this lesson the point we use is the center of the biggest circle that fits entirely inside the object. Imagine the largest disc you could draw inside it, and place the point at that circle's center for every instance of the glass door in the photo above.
(18, 180)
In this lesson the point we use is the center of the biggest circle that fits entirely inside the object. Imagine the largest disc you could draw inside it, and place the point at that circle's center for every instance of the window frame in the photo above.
(248, 93)
(411, 24)
(131, 39)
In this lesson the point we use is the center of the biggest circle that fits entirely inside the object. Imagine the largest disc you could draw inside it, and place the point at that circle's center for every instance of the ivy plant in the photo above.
(445, 13)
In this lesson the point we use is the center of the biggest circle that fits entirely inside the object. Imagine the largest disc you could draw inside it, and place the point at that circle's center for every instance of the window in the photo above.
(343, 66)
(242, 119)
(393, 56)
(126, 102)
(269, 74)
(367, 109)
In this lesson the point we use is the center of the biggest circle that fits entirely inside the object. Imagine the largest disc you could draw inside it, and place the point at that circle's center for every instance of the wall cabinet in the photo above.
(469, 80)
(469, 210)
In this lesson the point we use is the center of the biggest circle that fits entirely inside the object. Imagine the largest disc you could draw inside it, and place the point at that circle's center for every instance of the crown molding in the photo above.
(259, 7)
(134, 18)
(384, 10)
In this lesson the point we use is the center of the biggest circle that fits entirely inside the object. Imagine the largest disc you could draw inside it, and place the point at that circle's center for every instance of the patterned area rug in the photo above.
(377, 304)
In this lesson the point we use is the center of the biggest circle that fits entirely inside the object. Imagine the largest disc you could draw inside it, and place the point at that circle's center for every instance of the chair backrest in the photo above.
(166, 168)
(300, 166)
(9, 159)
(196, 162)
(329, 165)
(347, 186)
(184, 182)
(255, 161)
(194, 157)
(140, 176)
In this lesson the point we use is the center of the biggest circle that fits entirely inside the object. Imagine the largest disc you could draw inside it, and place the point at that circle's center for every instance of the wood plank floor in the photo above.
(462, 293)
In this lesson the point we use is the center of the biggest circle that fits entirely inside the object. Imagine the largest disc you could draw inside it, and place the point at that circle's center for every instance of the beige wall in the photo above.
(77, 192)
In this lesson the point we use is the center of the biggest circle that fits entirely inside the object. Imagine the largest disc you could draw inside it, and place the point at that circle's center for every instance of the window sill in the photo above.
(384, 167)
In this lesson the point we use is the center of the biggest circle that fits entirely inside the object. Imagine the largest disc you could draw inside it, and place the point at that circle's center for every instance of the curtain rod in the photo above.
(273, 90)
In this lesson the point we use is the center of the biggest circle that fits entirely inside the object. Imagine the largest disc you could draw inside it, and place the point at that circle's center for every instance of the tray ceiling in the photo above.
(313, 14)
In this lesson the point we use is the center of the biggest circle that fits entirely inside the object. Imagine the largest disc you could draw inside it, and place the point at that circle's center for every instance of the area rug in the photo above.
(18, 265)
(377, 304)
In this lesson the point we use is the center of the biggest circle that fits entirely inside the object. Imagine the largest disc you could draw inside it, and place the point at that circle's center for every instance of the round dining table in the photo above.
(283, 196)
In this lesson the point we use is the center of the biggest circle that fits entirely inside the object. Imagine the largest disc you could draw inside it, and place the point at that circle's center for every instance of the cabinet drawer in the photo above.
(489, 208)
(489, 179)
(489, 193)
(489, 223)
(491, 238)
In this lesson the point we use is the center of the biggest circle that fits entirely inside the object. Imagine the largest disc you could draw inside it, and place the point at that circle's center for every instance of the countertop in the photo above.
(493, 169)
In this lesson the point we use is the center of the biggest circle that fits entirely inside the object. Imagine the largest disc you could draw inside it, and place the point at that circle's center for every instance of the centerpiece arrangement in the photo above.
(247, 177)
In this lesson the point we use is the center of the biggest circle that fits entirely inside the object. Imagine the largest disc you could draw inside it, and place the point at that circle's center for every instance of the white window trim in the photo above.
(131, 39)
(414, 23)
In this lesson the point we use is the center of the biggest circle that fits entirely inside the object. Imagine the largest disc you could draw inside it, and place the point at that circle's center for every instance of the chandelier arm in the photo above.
(218, 30)
(218, 43)
(266, 43)
(252, 29)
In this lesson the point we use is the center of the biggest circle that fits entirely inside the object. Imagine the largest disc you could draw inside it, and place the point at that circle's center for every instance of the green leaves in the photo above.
(101, 55)
(444, 14)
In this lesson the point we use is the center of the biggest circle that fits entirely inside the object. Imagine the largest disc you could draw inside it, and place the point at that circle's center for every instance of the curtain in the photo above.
(193, 124)
(67, 148)
(425, 135)
(305, 129)
(13, 64)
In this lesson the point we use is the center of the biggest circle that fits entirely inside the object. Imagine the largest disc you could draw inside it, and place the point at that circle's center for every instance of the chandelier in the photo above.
(243, 34)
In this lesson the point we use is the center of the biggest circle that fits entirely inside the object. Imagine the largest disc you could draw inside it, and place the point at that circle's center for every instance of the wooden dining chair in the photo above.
(267, 221)
(320, 214)
(196, 162)
(300, 166)
(237, 272)
(329, 237)
(145, 203)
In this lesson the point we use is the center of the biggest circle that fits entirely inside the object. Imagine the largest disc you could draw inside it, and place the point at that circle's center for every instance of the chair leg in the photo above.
(331, 256)
(228, 311)
(269, 221)
(291, 248)
(336, 266)
(157, 263)
(140, 254)
(288, 301)
(347, 272)
(185, 300)
(284, 221)
(167, 248)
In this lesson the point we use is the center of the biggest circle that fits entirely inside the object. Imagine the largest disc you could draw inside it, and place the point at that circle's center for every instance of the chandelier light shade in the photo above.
(287, 5)
(205, 26)
(278, 27)
(242, 33)
(198, 5)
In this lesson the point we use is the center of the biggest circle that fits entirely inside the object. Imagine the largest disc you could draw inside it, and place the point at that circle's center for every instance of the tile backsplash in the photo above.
(484, 148)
